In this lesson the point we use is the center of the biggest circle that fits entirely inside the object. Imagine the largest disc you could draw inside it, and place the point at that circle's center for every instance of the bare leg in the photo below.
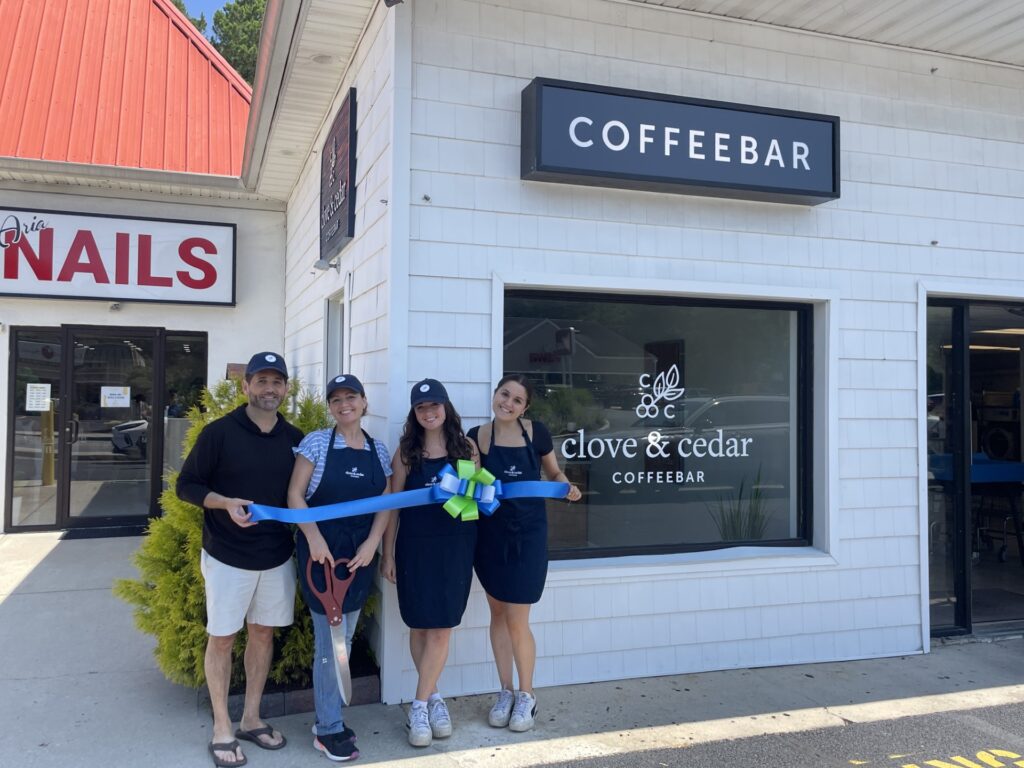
(524, 647)
(217, 665)
(501, 642)
(258, 652)
(432, 660)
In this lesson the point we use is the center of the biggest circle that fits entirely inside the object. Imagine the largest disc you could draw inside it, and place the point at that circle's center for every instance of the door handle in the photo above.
(72, 431)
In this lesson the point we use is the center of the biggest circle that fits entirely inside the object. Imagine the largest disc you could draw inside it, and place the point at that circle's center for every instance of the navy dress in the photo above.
(349, 474)
(511, 558)
(433, 558)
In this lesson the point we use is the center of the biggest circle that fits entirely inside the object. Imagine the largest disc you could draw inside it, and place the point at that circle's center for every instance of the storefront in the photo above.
(730, 255)
(763, 271)
(135, 265)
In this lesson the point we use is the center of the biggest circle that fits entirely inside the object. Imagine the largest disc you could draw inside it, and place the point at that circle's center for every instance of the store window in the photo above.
(685, 423)
(185, 379)
(334, 335)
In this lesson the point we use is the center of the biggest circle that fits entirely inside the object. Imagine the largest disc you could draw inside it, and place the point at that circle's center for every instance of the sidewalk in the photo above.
(78, 687)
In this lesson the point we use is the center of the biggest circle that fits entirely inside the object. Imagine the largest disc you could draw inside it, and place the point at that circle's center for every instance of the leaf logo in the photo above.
(664, 388)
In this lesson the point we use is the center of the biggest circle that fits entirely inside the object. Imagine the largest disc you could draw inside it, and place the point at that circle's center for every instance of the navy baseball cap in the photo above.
(428, 391)
(266, 361)
(345, 381)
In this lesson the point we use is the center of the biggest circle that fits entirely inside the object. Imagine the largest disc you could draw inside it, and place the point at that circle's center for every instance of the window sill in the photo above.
(716, 561)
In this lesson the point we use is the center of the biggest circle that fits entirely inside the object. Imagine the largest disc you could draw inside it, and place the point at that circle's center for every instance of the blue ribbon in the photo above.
(487, 497)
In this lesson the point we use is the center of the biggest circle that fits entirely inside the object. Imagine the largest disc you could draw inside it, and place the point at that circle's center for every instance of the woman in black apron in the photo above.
(430, 555)
(333, 465)
(512, 544)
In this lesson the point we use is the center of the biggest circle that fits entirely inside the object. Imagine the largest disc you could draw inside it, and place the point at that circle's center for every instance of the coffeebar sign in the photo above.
(337, 181)
(65, 255)
(609, 137)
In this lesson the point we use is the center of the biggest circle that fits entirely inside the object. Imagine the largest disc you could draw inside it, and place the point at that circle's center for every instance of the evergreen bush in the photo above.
(168, 597)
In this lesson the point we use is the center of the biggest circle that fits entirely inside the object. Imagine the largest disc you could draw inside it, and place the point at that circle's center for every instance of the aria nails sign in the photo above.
(70, 255)
(609, 137)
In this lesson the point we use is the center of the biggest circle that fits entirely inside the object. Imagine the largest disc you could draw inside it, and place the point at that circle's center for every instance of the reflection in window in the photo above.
(185, 377)
(683, 422)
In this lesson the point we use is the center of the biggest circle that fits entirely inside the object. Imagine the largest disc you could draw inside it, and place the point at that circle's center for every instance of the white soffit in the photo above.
(313, 59)
(989, 30)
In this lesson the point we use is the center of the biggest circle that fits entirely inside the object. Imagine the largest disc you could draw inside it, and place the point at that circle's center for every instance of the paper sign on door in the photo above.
(115, 397)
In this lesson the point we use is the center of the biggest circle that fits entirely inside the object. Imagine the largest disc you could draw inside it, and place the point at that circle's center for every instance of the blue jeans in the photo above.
(326, 695)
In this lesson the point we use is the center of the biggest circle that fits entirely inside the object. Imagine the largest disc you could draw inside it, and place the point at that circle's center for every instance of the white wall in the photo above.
(255, 323)
(364, 260)
(932, 178)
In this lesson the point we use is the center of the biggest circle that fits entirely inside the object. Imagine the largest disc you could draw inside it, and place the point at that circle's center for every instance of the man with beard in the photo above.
(244, 458)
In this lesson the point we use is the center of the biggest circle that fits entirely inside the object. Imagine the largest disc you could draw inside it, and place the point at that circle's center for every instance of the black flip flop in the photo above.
(254, 737)
(225, 746)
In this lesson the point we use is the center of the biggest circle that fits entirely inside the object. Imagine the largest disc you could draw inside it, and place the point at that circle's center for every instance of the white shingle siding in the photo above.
(926, 156)
(366, 257)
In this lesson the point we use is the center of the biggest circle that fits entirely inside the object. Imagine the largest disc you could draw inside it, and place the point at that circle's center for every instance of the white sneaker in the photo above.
(440, 719)
(502, 709)
(523, 712)
(418, 724)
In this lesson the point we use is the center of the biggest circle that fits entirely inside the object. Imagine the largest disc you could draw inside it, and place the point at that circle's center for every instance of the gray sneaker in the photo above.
(418, 724)
(502, 709)
(440, 720)
(523, 712)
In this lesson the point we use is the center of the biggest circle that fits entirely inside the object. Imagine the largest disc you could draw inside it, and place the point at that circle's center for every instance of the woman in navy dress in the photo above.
(341, 463)
(430, 555)
(512, 544)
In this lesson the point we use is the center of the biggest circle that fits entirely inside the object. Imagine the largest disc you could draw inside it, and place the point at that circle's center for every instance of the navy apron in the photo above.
(349, 474)
(512, 544)
(433, 558)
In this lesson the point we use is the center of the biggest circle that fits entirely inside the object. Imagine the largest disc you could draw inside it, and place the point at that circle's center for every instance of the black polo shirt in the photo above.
(234, 458)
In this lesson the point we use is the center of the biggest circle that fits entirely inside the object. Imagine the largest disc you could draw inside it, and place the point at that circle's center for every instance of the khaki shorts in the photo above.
(235, 595)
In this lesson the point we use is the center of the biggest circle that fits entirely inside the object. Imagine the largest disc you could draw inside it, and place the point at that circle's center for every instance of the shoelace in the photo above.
(506, 699)
(524, 705)
(439, 711)
(418, 718)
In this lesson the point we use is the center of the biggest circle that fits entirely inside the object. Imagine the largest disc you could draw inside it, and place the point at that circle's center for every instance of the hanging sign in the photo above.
(68, 255)
(338, 181)
(611, 137)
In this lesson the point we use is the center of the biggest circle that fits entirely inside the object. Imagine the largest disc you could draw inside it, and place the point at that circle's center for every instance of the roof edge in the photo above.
(204, 45)
(119, 173)
(280, 25)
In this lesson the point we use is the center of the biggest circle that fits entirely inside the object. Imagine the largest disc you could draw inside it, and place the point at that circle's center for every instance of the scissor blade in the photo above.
(341, 663)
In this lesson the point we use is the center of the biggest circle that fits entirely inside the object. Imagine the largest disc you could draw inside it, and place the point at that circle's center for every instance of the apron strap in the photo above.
(529, 445)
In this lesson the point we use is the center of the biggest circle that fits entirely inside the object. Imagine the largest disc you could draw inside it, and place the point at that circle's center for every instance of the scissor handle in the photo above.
(333, 597)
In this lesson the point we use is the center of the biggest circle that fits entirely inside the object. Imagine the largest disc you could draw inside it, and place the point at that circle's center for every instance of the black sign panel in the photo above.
(610, 137)
(338, 180)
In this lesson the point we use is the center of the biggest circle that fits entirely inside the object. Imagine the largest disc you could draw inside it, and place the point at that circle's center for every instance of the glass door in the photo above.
(35, 450)
(975, 369)
(109, 428)
(996, 349)
(948, 547)
(97, 415)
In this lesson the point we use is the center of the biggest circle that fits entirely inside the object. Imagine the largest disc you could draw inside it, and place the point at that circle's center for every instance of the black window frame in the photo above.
(804, 427)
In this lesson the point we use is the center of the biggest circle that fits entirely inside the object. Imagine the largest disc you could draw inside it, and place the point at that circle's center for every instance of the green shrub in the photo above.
(168, 596)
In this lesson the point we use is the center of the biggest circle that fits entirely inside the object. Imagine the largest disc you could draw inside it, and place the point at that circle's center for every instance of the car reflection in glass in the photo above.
(129, 436)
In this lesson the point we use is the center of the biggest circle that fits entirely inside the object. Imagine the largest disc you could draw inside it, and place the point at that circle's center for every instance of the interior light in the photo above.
(985, 348)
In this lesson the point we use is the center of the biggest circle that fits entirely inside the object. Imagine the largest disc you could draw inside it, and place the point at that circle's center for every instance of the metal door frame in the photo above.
(155, 450)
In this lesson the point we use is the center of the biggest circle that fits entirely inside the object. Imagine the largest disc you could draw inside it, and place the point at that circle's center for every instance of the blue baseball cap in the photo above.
(345, 381)
(266, 361)
(428, 391)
